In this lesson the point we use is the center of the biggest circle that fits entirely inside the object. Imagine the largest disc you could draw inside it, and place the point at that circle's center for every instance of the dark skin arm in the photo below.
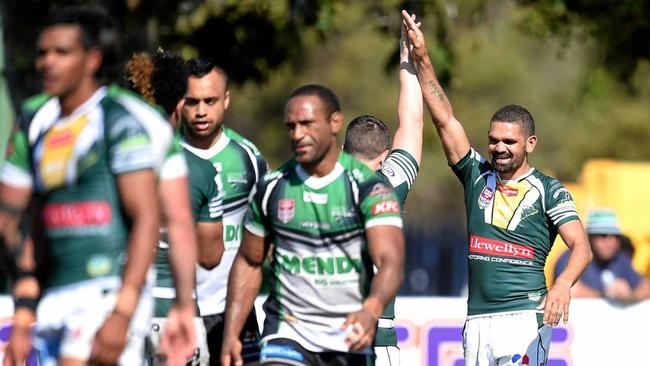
(244, 284)
(386, 245)
(142, 208)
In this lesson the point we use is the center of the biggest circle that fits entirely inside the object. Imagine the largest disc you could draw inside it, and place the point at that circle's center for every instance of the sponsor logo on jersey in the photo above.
(313, 197)
(527, 211)
(379, 189)
(315, 225)
(485, 197)
(98, 265)
(386, 169)
(507, 191)
(236, 178)
(343, 216)
(59, 215)
(286, 210)
(482, 245)
(535, 296)
(315, 265)
(390, 206)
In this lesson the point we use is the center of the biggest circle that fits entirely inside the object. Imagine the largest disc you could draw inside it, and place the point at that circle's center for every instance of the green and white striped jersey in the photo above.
(318, 226)
(240, 166)
(206, 195)
(511, 225)
(399, 170)
(71, 163)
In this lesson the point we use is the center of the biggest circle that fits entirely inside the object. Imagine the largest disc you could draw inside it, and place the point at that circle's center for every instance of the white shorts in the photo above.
(507, 339)
(69, 316)
(201, 354)
(386, 356)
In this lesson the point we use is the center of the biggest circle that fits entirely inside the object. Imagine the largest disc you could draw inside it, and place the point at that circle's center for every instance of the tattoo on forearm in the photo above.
(436, 90)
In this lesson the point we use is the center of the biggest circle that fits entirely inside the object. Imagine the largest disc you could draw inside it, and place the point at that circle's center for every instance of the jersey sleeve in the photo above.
(16, 171)
(207, 198)
(469, 167)
(174, 165)
(560, 206)
(378, 204)
(400, 170)
(255, 220)
(129, 146)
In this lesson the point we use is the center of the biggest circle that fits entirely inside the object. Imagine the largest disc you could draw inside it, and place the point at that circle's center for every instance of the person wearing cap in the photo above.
(610, 274)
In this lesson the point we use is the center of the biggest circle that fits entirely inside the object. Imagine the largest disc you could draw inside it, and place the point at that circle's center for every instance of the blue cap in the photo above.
(603, 222)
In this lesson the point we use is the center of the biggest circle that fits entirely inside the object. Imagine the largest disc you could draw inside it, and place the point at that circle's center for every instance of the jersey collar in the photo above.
(518, 179)
(210, 152)
(319, 182)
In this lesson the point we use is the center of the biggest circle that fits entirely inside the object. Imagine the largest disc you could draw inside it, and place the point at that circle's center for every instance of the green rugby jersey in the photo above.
(71, 163)
(317, 226)
(206, 195)
(240, 166)
(399, 170)
(511, 225)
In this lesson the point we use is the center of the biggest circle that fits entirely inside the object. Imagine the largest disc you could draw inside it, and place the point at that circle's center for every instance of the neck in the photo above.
(71, 101)
(523, 169)
(325, 165)
(204, 142)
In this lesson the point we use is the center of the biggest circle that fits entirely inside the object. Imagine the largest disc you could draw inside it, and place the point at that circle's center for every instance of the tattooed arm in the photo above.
(451, 132)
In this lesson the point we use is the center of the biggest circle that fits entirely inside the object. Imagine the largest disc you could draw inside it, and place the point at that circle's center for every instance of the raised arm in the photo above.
(386, 246)
(244, 283)
(452, 135)
(409, 105)
(556, 303)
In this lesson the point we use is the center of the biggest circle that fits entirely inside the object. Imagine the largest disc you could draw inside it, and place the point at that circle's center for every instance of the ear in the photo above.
(93, 61)
(336, 122)
(384, 155)
(175, 118)
(531, 142)
(226, 99)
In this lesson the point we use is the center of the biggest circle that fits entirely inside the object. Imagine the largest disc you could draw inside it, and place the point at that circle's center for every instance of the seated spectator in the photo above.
(610, 274)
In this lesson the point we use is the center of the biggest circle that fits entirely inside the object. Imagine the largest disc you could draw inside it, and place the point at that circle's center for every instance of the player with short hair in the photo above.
(367, 138)
(514, 213)
(86, 153)
(162, 79)
(240, 165)
(324, 213)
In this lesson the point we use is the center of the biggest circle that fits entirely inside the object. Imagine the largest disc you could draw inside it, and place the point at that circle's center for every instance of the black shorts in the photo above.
(283, 351)
(249, 337)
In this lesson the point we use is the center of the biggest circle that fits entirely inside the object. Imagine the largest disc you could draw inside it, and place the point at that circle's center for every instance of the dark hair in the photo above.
(366, 137)
(96, 31)
(199, 67)
(161, 79)
(326, 96)
(514, 113)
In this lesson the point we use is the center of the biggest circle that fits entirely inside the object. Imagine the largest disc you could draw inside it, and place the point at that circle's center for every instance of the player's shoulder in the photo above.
(242, 141)
(281, 172)
(356, 169)
(550, 183)
(35, 102)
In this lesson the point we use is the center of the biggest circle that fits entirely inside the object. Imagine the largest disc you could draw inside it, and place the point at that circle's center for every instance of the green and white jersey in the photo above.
(71, 163)
(240, 166)
(399, 170)
(206, 195)
(320, 268)
(511, 225)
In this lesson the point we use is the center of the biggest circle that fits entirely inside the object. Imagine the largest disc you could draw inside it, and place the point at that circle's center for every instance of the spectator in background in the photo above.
(610, 274)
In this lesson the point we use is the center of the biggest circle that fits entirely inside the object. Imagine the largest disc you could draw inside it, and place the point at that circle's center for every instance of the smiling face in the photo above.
(62, 60)
(509, 148)
(205, 104)
(312, 130)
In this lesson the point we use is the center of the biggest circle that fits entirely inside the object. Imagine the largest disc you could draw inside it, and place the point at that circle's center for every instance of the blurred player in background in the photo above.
(368, 139)
(162, 79)
(514, 213)
(240, 165)
(85, 153)
(610, 274)
(324, 212)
